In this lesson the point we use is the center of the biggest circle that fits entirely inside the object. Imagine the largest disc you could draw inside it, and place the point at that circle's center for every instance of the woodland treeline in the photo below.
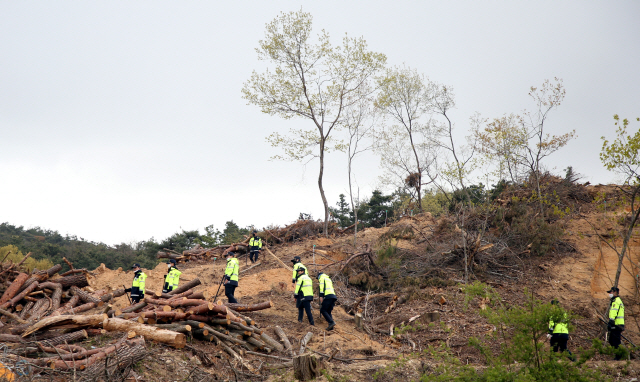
(46, 244)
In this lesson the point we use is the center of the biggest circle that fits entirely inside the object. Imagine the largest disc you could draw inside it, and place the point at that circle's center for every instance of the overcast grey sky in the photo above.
(121, 121)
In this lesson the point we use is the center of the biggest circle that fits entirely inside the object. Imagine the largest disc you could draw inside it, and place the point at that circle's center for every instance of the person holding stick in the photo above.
(231, 277)
(137, 288)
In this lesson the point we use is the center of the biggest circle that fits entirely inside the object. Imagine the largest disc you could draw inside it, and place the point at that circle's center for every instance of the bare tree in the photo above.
(623, 156)
(406, 145)
(359, 122)
(540, 143)
(314, 81)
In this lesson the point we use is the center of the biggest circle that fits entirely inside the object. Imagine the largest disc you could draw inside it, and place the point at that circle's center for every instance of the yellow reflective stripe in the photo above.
(326, 285)
(305, 284)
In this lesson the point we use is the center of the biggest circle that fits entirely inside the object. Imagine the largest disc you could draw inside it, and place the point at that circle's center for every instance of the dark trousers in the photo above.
(136, 299)
(229, 290)
(559, 342)
(615, 339)
(305, 305)
(253, 256)
(326, 308)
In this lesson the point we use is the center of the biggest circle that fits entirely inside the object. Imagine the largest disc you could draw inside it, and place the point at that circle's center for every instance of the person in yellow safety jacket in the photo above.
(559, 333)
(137, 288)
(616, 319)
(328, 298)
(231, 277)
(296, 265)
(172, 278)
(304, 295)
(255, 246)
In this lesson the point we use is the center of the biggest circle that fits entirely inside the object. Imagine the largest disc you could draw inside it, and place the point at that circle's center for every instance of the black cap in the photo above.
(254, 231)
(295, 259)
(318, 275)
(136, 265)
(613, 289)
(172, 261)
(300, 270)
(229, 254)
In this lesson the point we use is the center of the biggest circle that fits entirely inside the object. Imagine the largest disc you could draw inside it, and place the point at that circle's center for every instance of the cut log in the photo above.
(56, 296)
(185, 329)
(175, 303)
(39, 309)
(206, 308)
(14, 287)
(25, 310)
(187, 293)
(11, 338)
(20, 296)
(303, 343)
(250, 308)
(271, 342)
(64, 322)
(12, 316)
(109, 296)
(177, 340)
(135, 307)
(84, 296)
(79, 280)
(85, 307)
(183, 288)
(284, 339)
(42, 275)
(66, 307)
(66, 338)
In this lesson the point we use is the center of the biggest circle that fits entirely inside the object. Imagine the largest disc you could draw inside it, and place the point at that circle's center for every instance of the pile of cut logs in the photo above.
(43, 318)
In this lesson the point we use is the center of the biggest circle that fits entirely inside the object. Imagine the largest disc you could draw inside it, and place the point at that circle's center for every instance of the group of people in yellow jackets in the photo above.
(559, 331)
(171, 281)
(303, 293)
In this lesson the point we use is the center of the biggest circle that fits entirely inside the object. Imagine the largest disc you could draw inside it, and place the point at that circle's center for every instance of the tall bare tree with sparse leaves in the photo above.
(310, 80)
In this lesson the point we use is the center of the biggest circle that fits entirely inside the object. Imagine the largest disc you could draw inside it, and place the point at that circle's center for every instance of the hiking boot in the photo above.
(331, 326)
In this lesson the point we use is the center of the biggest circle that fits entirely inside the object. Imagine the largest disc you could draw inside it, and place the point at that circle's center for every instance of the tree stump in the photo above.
(306, 367)
(358, 320)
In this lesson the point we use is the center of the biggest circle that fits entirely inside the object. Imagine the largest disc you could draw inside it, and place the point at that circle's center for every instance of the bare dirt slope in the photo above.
(578, 279)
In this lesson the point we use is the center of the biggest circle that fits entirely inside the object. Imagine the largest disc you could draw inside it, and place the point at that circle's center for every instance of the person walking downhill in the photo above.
(231, 277)
(616, 320)
(255, 246)
(296, 265)
(328, 299)
(137, 288)
(304, 295)
(172, 278)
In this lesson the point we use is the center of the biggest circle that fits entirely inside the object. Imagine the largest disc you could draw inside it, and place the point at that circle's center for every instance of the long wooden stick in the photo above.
(280, 261)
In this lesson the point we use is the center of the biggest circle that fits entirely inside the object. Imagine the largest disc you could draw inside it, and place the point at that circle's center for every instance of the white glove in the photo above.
(548, 336)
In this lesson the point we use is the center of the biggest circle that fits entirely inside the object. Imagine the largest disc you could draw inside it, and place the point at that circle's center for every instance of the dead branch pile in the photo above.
(293, 232)
(297, 231)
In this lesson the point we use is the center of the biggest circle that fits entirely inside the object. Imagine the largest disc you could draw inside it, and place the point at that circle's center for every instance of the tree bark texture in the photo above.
(13, 289)
(250, 308)
(177, 340)
(306, 367)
